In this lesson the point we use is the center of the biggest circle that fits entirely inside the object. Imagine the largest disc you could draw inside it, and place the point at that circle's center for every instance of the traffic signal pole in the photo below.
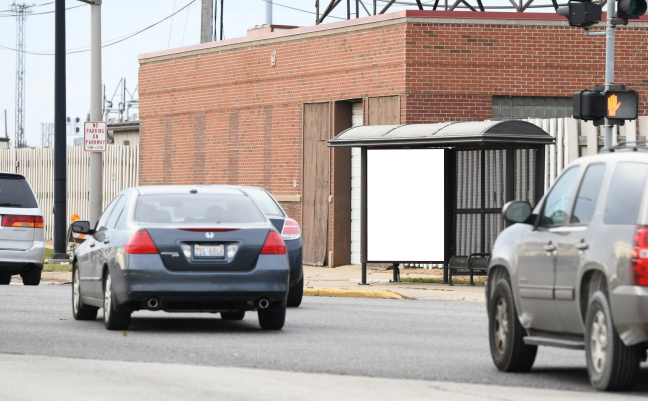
(610, 30)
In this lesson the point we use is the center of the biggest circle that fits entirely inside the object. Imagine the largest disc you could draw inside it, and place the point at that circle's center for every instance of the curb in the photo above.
(336, 292)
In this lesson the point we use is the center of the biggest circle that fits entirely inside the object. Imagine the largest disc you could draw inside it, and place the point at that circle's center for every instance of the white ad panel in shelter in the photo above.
(405, 205)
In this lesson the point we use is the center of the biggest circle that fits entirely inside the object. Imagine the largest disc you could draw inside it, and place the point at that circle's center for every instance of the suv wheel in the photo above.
(611, 365)
(296, 293)
(31, 277)
(508, 350)
(113, 320)
(79, 310)
(5, 279)
(273, 317)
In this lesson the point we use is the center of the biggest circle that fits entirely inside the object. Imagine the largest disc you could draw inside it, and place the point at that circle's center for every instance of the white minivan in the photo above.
(22, 245)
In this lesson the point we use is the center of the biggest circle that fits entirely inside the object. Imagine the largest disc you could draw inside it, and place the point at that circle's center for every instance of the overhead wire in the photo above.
(171, 28)
(112, 42)
(42, 13)
(35, 5)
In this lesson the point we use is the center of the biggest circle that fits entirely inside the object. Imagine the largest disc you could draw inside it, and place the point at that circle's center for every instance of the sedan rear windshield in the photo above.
(15, 192)
(196, 208)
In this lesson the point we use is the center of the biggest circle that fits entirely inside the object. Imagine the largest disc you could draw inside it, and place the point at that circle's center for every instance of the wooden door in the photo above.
(316, 184)
(384, 110)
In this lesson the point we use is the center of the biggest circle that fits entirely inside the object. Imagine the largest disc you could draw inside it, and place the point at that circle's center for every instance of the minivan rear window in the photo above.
(16, 192)
(197, 208)
(625, 193)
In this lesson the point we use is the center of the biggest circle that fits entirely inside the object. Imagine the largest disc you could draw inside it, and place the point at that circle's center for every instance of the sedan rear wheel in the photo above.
(113, 320)
(79, 310)
(296, 293)
(5, 279)
(273, 317)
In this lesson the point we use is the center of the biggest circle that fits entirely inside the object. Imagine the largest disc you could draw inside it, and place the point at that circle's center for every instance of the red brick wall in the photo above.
(453, 70)
(228, 117)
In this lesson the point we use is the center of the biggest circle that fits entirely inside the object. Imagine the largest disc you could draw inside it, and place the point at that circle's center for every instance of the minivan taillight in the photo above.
(22, 221)
(273, 245)
(140, 244)
(640, 259)
(290, 230)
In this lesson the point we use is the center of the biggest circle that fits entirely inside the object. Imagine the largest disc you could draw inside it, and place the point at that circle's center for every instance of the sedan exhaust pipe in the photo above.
(264, 303)
(153, 303)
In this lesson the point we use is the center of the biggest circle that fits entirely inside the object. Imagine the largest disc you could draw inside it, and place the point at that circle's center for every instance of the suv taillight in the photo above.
(140, 244)
(290, 230)
(640, 259)
(273, 245)
(22, 221)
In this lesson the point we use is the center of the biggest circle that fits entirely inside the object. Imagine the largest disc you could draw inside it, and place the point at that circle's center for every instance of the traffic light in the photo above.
(617, 105)
(590, 105)
(583, 13)
(622, 104)
(631, 9)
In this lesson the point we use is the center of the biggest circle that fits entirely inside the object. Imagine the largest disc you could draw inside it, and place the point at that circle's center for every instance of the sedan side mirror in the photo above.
(81, 227)
(516, 211)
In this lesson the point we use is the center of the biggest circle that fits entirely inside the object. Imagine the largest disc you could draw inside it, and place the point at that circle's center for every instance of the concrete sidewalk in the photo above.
(345, 281)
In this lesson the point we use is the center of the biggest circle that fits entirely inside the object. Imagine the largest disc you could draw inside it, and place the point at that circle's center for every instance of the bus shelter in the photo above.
(433, 193)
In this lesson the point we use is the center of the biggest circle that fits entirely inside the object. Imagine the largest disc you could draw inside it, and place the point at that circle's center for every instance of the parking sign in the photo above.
(95, 135)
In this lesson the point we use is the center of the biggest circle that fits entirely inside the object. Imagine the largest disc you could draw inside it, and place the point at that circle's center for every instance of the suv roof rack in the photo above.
(632, 146)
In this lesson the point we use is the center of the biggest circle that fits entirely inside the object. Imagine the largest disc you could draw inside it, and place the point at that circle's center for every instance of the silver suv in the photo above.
(22, 245)
(573, 272)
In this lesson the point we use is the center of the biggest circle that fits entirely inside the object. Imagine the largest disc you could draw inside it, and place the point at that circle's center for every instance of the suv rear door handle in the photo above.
(107, 241)
(549, 247)
(92, 245)
(582, 246)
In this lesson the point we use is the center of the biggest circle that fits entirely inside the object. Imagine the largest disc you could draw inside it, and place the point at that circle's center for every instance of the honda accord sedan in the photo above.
(181, 249)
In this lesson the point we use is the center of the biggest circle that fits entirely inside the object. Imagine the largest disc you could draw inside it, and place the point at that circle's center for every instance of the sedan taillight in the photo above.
(290, 230)
(22, 221)
(140, 244)
(640, 259)
(273, 245)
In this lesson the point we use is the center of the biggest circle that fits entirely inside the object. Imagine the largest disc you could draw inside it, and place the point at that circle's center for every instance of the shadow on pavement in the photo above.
(179, 324)
(578, 376)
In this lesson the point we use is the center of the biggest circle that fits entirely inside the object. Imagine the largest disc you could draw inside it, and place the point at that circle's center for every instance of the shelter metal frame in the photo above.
(512, 139)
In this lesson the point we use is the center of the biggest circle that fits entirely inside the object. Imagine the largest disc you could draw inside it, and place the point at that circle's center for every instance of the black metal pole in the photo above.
(363, 213)
(221, 22)
(59, 133)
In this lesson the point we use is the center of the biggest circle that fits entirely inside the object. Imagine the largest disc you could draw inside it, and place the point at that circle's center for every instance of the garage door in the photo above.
(356, 119)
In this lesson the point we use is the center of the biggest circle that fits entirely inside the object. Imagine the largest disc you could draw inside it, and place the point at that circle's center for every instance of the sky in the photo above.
(119, 19)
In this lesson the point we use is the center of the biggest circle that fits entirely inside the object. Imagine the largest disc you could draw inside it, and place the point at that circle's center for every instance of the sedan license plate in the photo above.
(209, 251)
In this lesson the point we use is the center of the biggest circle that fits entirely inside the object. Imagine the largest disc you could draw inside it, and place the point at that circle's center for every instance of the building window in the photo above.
(126, 143)
(523, 107)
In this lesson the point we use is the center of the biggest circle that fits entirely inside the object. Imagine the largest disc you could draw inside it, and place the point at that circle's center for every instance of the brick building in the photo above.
(258, 110)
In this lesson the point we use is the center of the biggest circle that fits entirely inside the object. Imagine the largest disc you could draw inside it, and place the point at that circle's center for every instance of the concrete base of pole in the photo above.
(60, 256)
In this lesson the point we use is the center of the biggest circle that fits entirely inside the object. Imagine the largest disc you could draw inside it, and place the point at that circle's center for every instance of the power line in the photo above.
(45, 12)
(298, 9)
(171, 28)
(108, 44)
(35, 5)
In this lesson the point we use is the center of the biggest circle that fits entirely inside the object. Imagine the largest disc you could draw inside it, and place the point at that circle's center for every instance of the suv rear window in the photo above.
(625, 193)
(189, 208)
(15, 192)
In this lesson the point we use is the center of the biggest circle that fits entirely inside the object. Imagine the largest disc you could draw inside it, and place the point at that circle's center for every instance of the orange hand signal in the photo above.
(613, 105)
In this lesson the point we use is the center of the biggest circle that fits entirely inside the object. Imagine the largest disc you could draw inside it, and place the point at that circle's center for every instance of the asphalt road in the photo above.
(423, 340)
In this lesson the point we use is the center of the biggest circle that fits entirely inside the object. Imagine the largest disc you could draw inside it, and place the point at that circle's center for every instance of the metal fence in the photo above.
(120, 171)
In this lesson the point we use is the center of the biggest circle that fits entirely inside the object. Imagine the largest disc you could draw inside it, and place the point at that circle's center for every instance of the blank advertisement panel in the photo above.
(405, 205)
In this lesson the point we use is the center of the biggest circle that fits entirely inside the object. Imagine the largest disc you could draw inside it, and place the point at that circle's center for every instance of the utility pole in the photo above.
(206, 27)
(60, 184)
(96, 114)
(609, 67)
(268, 12)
